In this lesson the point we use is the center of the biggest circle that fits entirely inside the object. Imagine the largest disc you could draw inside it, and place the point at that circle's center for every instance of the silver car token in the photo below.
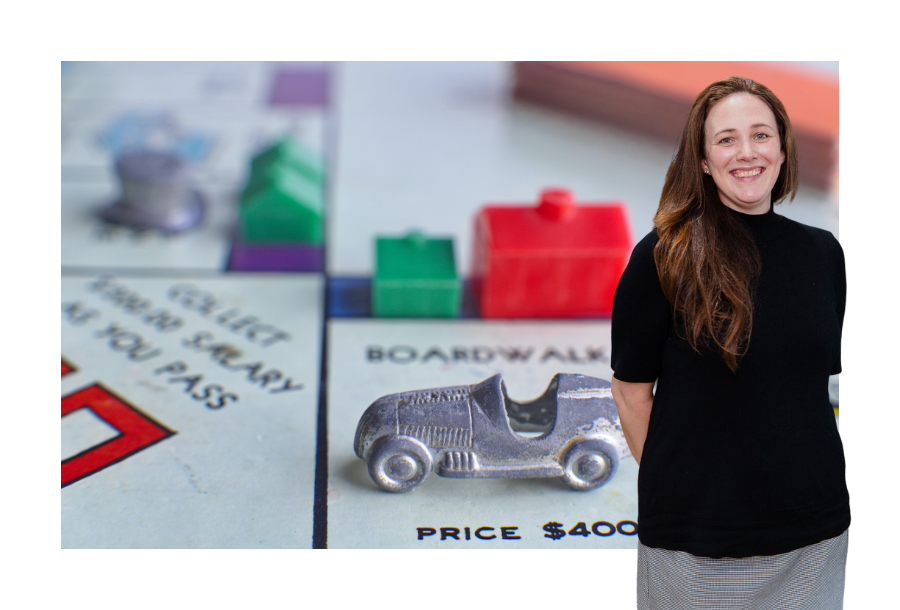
(478, 432)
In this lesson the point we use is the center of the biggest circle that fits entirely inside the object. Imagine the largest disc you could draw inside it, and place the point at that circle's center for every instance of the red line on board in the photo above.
(137, 431)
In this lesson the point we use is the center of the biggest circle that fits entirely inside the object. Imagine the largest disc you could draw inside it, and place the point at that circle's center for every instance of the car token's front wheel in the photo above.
(590, 463)
(399, 463)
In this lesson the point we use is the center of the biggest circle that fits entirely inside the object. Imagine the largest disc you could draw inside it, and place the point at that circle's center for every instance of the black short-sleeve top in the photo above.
(746, 463)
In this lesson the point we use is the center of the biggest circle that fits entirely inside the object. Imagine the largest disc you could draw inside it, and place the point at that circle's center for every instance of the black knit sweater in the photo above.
(746, 463)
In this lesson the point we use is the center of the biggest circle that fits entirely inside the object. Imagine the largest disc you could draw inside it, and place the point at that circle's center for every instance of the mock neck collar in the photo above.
(763, 227)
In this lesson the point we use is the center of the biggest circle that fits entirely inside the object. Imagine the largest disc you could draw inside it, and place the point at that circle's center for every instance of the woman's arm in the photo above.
(634, 401)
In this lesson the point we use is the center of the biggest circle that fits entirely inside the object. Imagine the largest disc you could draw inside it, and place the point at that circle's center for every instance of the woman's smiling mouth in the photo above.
(747, 173)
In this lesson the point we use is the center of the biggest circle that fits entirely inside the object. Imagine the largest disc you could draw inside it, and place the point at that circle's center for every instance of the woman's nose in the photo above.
(746, 152)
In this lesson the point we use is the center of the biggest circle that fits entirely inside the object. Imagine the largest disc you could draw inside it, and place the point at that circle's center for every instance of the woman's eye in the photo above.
(762, 136)
(725, 141)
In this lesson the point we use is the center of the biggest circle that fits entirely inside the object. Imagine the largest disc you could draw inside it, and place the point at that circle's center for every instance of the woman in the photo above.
(735, 313)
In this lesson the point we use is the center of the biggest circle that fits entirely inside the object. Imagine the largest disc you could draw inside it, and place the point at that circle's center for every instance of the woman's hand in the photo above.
(634, 401)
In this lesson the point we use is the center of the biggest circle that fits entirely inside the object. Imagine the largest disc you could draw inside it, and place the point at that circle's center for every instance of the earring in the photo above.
(706, 171)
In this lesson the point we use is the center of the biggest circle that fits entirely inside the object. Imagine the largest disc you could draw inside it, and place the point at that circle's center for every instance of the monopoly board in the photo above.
(206, 407)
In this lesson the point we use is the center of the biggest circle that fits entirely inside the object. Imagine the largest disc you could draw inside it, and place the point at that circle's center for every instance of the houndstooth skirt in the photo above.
(809, 578)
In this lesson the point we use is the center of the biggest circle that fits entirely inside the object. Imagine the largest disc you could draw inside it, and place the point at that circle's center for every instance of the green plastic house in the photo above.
(288, 152)
(283, 200)
(415, 277)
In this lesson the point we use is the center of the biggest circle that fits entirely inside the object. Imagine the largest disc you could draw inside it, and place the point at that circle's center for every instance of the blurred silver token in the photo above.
(156, 193)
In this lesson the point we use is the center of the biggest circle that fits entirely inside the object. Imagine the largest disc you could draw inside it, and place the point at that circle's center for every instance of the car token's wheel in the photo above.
(399, 463)
(590, 463)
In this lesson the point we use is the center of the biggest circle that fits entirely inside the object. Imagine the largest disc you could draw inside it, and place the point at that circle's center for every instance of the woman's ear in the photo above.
(705, 167)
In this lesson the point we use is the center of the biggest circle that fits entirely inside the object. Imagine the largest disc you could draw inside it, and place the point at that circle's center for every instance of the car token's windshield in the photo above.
(536, 416)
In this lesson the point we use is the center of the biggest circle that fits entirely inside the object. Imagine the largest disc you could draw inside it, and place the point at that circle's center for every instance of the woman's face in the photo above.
(743, 152)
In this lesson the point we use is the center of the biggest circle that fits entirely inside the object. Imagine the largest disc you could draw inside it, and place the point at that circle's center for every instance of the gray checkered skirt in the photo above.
(809, 578)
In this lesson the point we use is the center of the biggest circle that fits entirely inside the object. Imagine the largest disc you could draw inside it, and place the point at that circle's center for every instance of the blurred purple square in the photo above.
(300, 87)
(276, 257)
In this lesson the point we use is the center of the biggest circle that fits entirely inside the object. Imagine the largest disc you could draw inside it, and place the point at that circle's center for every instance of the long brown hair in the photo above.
(707, 261)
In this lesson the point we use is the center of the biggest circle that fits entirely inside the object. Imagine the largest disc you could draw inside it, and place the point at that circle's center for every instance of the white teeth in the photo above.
(753, 172)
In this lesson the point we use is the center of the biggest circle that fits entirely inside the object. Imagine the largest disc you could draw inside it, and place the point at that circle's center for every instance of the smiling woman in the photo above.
(743, 152)
(735, 313)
